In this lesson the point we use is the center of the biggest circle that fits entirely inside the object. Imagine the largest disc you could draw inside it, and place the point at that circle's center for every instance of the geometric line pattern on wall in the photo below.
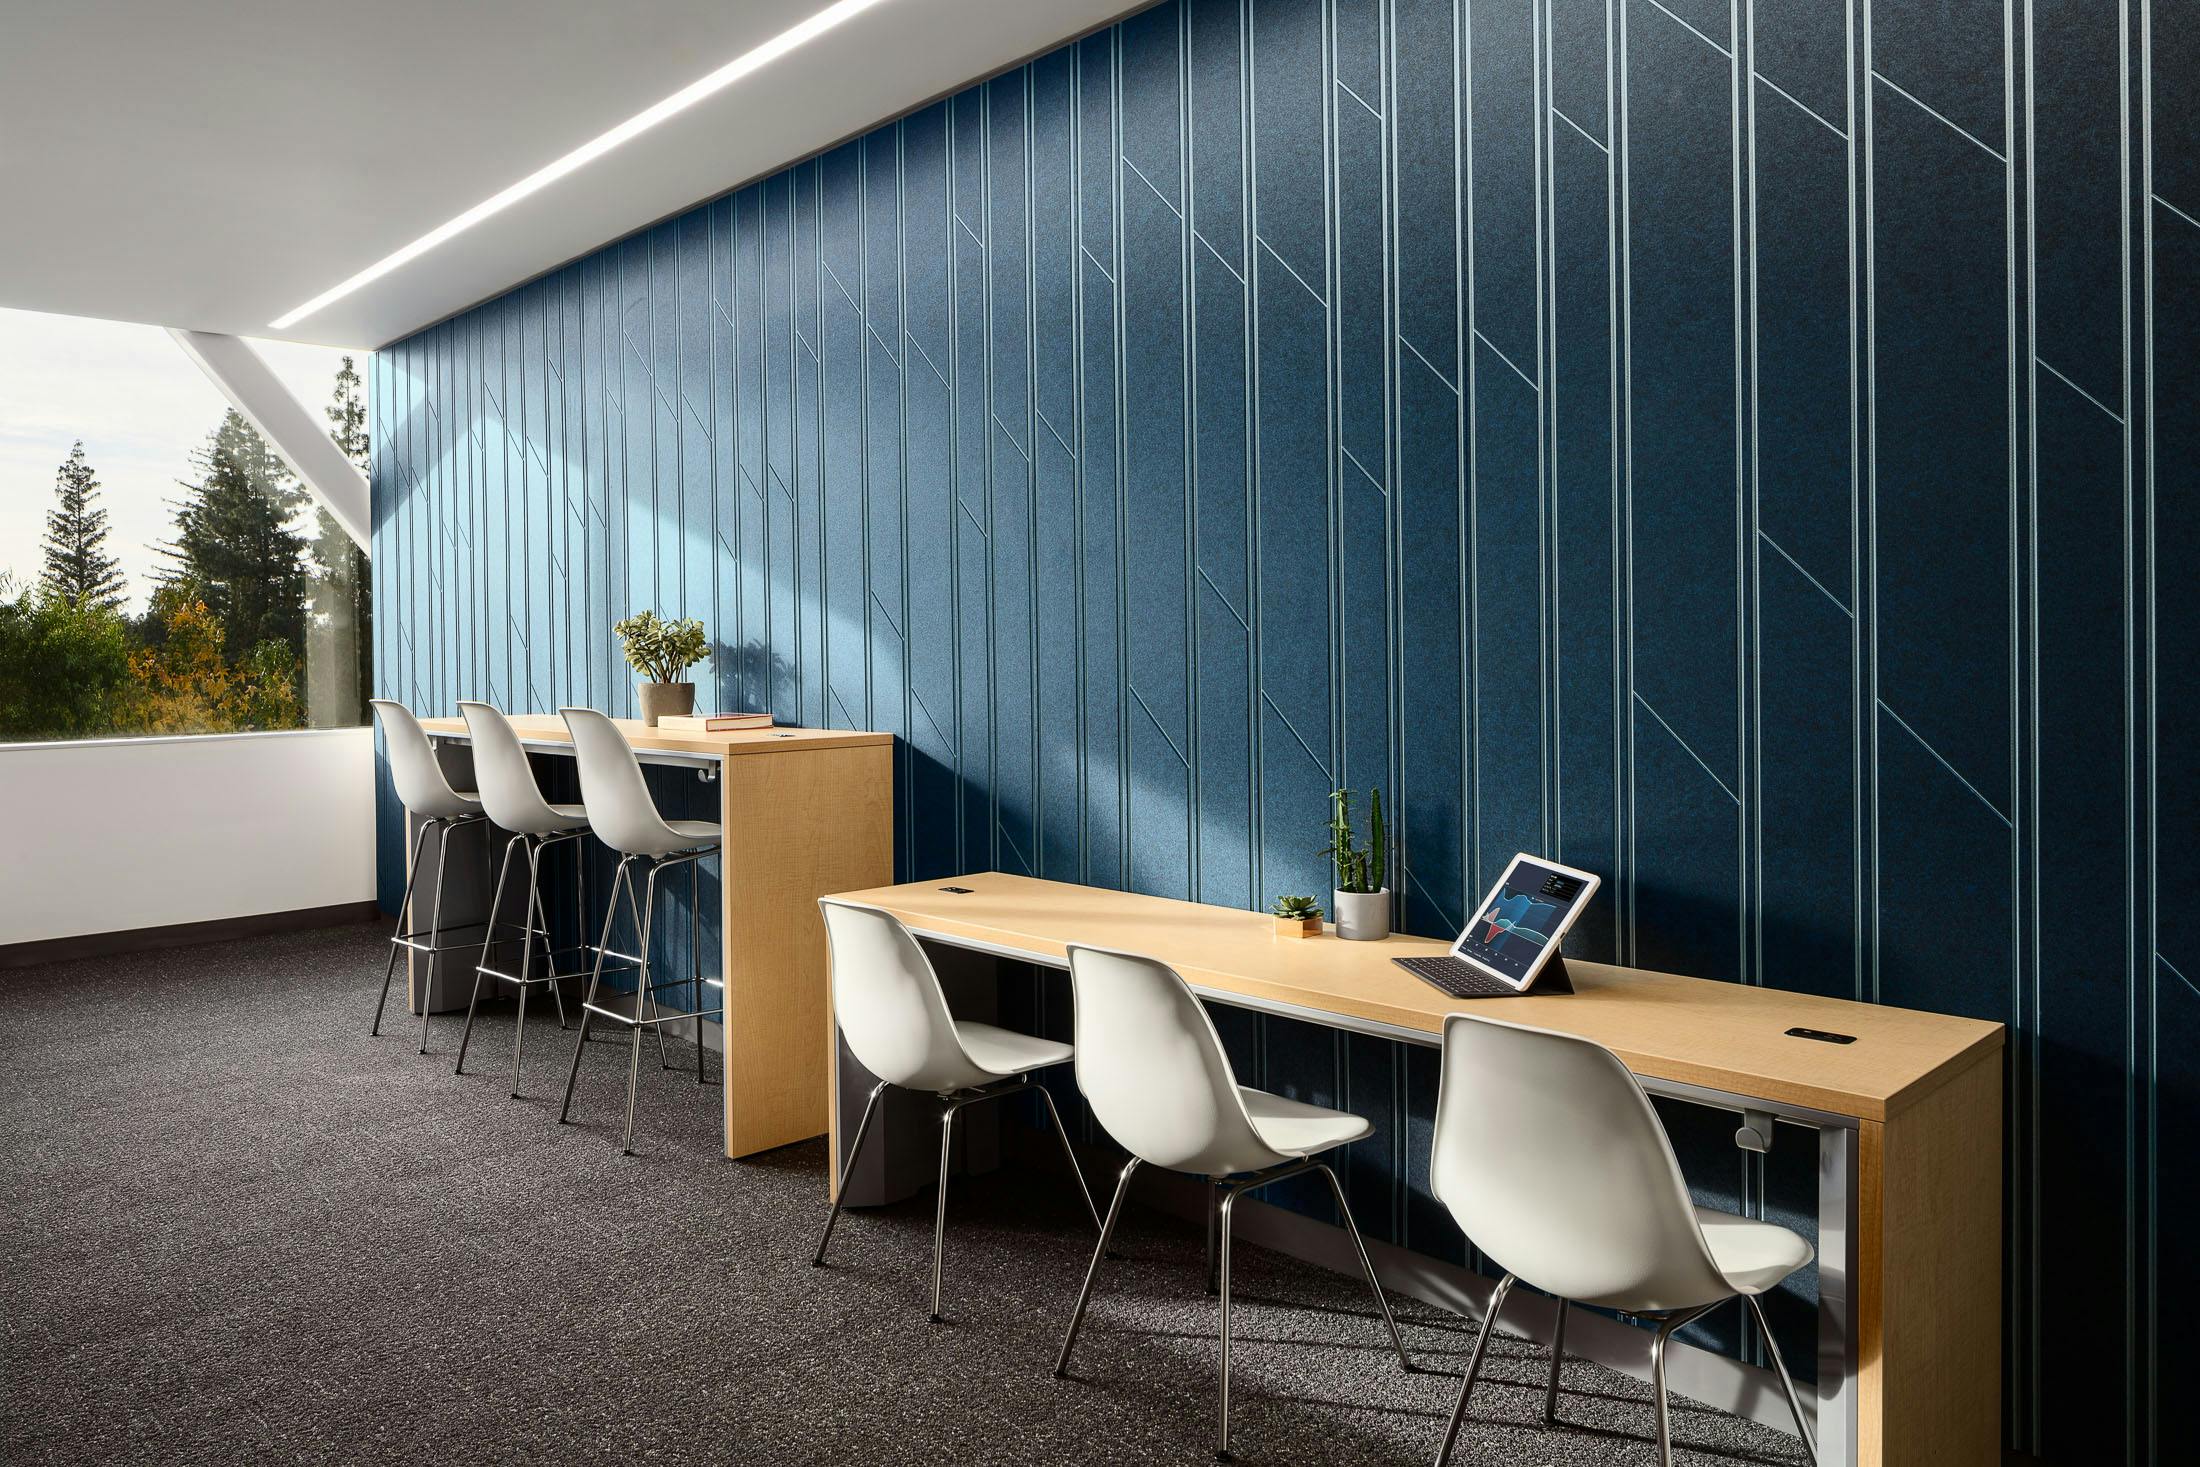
(1726, 444)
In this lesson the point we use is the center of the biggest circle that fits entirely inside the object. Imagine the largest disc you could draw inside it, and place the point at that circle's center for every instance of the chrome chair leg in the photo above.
(1657, 1389)
(1214, 1200)
(1084, 1295)
(939, 1211)
(641, 999)
(489, 927)
(1367, 1267)
(1671, 1325)
(1222, 1430)
(1558, 1358)
(435, 933)
(847, 1170)
(1474, 1367)
(1069, 1153)
(580, 1045)
(404, 924)
(1787, 1382)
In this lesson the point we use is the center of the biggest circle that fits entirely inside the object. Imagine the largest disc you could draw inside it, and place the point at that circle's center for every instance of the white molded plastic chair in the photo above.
(514, 802)
(1550, 1157)
(625, 818)
(1158, 1080)
(429, 799)
(888, 1004)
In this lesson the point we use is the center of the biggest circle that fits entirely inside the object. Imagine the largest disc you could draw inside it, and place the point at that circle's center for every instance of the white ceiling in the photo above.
(212, 166)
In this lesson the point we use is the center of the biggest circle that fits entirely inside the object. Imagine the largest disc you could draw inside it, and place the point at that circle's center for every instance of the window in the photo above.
(162, 570)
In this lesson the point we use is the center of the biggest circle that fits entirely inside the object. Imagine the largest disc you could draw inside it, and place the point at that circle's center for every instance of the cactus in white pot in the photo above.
(1361, 902)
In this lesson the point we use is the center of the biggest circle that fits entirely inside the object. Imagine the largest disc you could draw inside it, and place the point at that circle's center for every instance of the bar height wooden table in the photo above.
(806, 812)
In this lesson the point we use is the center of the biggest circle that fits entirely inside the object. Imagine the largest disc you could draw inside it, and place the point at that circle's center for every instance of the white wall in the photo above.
(118, 834)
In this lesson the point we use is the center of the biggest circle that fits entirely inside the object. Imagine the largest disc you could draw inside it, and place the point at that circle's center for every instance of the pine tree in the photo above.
(343, 593)
(235, 543)
(79, 571)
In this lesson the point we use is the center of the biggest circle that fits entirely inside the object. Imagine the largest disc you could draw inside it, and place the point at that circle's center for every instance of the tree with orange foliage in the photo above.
(186, 684)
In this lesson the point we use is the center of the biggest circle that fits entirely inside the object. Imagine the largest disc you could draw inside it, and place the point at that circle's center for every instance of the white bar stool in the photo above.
(514, 802)
(428, 798)
(888, 1003)
(1553, 1162)
(625, 818)
(1157, 1078)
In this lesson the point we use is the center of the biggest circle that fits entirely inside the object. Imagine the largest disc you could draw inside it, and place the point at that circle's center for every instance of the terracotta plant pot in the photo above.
(1362, 916)
(1298, 926)
(658, 699)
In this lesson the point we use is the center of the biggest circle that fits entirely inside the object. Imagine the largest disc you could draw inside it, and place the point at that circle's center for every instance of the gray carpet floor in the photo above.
(242, 1231)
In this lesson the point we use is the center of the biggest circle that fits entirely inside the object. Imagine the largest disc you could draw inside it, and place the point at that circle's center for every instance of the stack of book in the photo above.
(694, 723)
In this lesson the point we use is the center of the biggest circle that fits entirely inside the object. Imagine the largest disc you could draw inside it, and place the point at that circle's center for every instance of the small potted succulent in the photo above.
(1361, 901)
(661, 651)
(1297, 916)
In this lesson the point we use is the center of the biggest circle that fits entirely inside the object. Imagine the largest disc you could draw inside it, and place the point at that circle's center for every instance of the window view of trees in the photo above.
(258, 616)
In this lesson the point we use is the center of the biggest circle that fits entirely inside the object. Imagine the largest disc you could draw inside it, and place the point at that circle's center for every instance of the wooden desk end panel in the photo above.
(800, 824)
(1930, 1277)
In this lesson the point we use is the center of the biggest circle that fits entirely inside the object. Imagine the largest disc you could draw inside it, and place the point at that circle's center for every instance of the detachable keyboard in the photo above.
(1458, 979)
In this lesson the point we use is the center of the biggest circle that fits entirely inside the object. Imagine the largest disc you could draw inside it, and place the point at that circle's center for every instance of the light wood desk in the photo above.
(805, 812)
(1908, 1118)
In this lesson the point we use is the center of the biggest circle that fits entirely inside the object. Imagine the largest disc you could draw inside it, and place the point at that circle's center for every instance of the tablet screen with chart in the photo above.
(1519, 924)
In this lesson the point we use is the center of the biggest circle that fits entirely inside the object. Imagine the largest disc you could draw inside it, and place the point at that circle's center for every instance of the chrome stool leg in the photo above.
(641, 974)
(435, 931)
(580, 1044)
(641, 1001)
(488, 937)
(695, 958)
(580, 921)
(527, 956)
(404, 924)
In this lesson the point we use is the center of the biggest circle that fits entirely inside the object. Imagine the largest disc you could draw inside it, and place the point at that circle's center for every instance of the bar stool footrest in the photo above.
(630, 1021)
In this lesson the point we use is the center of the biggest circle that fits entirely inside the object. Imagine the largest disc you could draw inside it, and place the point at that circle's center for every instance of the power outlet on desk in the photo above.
(958, 890)
(1823, 1036)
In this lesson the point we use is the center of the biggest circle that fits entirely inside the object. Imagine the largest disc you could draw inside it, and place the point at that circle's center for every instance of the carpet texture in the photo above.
(243, 1231)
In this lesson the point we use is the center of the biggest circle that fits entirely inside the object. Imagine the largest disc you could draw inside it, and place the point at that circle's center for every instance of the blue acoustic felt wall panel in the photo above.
(1724, 443)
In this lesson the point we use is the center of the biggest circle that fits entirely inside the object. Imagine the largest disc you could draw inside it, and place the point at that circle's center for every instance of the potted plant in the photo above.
(661, 651)
(1297, 916)
(1361, 901)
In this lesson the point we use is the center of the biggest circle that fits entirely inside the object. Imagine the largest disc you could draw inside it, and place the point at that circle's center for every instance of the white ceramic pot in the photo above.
(1362, 916)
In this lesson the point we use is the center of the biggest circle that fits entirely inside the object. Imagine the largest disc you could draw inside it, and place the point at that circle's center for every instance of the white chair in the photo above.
(514, 802)
(1154, 1071)
(625, 818)
(1555, 1165)
(429, 799)
(888, 1004)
